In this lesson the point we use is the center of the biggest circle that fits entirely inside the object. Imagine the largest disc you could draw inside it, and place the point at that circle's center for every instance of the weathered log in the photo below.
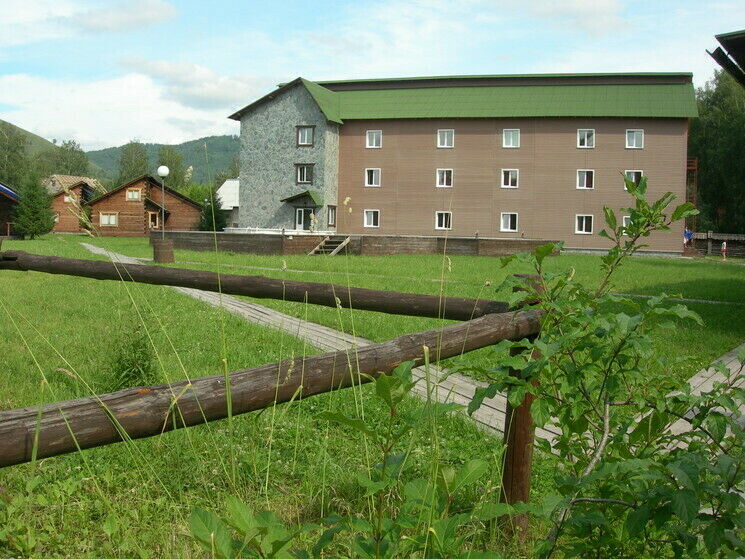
(143, 412)
(330, 295)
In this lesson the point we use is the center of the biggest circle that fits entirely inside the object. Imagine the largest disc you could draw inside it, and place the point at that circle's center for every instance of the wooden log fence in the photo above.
(330, 295)
(63, 427)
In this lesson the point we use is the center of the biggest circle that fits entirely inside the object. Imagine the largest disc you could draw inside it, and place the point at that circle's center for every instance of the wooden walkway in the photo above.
(445, 386)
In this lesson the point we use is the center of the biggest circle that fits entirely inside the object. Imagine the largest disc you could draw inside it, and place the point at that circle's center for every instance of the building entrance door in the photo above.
(153, 220)
(302, 218)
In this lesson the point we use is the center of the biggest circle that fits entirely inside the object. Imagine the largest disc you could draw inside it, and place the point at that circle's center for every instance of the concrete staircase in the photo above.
(331, 245)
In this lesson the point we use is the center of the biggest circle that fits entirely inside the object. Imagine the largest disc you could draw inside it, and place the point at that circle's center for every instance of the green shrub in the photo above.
(134, 362)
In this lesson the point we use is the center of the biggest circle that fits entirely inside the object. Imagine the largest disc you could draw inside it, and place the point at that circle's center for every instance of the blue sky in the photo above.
(107, 71)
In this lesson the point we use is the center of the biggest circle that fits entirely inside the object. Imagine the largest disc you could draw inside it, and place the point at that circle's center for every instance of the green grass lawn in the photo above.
(133, 500)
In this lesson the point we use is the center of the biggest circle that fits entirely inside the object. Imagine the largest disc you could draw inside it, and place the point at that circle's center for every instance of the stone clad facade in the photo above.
(269, 153)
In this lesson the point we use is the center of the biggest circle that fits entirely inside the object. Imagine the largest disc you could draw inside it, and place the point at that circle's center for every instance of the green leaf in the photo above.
(240, 517)
(685, 505)
(481, 394)
(516, 395)
(543, 251)
(210, 531)
(716, 424)
(714, 536)
(637, 520)
(489, 511)
(540, 411)
(610, 218)
(469, 473)
(356, 424)
(683, 211)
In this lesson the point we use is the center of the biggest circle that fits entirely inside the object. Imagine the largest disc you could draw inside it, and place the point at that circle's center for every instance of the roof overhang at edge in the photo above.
(324, 98)
(732, 58)
(312, 194)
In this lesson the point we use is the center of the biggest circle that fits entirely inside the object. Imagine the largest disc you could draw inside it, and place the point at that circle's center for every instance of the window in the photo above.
(372, 218)
(68, 198)
(56, 217)
(511, 138)
(510, 178)
(374, 139)
(583, 225)
(109, 219)
(304, 173)
(133, 194)
(508, 222)
(585, 179)
(444, 220)
(446, 138)
(586, 138)
(444, 178)
(635, 139)
(372, 177)
(305, 135)
(626, 223)
(332, 216)
(634, 176)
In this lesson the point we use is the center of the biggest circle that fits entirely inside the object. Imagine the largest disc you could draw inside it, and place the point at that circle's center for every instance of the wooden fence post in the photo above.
(708, 243)
(519, 439)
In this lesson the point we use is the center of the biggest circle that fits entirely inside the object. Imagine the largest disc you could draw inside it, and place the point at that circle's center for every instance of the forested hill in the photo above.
(220, 152)
(34, 143)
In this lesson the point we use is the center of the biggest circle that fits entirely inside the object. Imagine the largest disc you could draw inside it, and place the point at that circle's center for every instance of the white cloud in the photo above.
(198, 86)
(593, 16)
(106, 112)
(124, 16)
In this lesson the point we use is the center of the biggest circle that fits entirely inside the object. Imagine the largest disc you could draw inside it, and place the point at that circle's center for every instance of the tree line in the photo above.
(24, 173)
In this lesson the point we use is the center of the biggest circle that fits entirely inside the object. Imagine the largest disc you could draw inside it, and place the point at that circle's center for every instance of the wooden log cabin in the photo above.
(138, 207)
(8, 201)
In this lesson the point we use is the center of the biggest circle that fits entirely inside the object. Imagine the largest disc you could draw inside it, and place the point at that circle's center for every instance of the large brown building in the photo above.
(490, 156)
(138, 207)
(70, 194)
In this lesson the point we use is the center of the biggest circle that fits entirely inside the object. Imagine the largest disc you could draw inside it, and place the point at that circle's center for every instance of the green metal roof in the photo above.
(661, 100)
(314, 195)
(510, 76)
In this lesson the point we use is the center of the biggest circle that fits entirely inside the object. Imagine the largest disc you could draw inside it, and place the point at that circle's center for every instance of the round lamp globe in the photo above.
(163, 171)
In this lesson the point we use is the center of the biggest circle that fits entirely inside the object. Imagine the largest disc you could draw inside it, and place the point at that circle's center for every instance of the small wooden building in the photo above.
(139, 206)
(8, 201)
(68, 204)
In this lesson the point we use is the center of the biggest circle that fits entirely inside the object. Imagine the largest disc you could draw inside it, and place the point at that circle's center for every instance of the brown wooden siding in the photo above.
(67, 222)
(7, 207)
(546, 200)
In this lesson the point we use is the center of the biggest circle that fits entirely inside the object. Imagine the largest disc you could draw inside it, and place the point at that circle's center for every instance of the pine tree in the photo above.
(33, 214)
(133, 162)
(213, 218)
(171, 158)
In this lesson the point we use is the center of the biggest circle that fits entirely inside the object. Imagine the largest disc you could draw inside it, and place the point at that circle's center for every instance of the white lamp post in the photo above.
(163, 173)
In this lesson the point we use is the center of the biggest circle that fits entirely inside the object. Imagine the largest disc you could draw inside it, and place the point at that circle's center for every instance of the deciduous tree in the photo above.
(133, 162)
(171, 158)
(65, 159)
(14, 163)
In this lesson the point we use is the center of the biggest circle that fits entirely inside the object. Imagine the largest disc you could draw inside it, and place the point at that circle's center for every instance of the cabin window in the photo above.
(508, 222)
(585, 179)
(510, 178)
(305, 135)
(586, 138)
(444, 178)
(372, 218)
(68, 198)
(374, 139)
(56, 217)
(444, 220)
(332, 216)
(511, 138)
(134, 194)
(372, 177)
(109, 219)
(446, 138)
(304, 173)
(626, 223)
(583, 225)
(635, 139)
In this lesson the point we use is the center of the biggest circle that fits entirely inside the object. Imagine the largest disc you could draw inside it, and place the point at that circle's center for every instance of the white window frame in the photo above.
(443, 146)
(379, 174)
(109, 214)
(626, 221)
(576, 224)
(368, 145)
(517, 178)
(56, 217)
(364, 218)
(580, 187)
(579, 135)
(437, 178)
(331, 216)
(625, 174)
(504, 138)
(299, 166)
(627, 138)
(300, 130)
(67, 198)
(133, 199)
(443, 213)
(501, 222)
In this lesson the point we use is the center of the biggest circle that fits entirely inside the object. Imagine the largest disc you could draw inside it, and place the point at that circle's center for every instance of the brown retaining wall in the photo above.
(373, 245)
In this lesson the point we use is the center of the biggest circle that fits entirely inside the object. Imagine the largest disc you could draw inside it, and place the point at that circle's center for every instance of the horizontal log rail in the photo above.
(146, 411)
(330, 295)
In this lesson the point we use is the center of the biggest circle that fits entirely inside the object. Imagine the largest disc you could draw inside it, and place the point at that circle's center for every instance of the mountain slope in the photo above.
(34, 143)
(220, 152)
